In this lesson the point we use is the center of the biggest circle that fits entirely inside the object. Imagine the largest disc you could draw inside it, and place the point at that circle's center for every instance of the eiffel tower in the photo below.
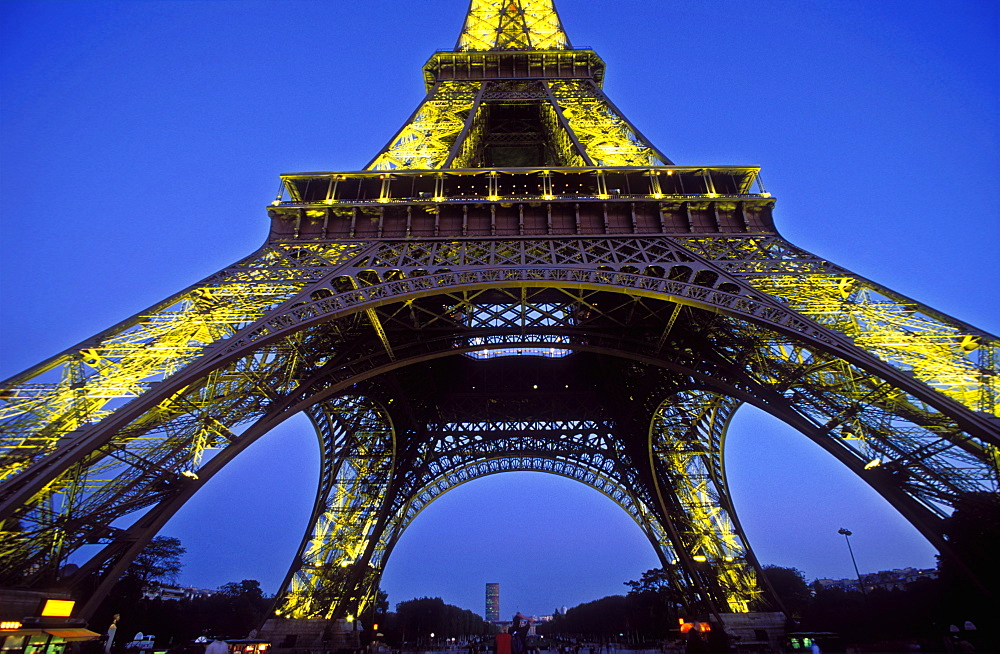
(518, 281)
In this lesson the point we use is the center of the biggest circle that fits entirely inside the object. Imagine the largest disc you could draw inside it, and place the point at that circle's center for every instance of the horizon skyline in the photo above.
(149, 137)
(560, 609)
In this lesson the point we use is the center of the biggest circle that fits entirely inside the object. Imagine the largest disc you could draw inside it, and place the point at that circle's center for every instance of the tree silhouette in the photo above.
(790, 586)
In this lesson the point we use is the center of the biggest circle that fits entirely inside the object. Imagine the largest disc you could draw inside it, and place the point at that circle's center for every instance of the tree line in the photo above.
(232, 611)
(237, 608)
(923, 612)
(415, 620)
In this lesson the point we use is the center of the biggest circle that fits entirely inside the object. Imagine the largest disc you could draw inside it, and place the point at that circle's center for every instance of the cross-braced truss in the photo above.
(512, 25)
(572, 120)
(686, 453)
(169, 441)
(524, 287)
(594, 452)
(514, 93)
(357, 469)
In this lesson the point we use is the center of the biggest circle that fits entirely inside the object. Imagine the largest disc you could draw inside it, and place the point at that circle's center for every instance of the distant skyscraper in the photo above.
(492, 602)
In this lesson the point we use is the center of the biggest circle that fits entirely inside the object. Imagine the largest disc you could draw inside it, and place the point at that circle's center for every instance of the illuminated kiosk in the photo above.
(39, 623)
(518, 281)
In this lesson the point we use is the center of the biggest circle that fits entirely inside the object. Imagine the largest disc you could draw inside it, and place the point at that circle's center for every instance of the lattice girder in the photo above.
(519, 250)
(512, 25)
(427, 138)
(320, 342)
(604, 133)
(458, 453)
(575, 120)
(519, 254)
(88, 382)
(341, 554)
(946, 354)
(697, 494)
(562, 92)
(584, 451)
(671, 281)
(686, 437)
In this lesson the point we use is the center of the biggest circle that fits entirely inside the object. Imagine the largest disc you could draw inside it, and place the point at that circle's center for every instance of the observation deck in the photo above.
(579, 63)
(521, 202)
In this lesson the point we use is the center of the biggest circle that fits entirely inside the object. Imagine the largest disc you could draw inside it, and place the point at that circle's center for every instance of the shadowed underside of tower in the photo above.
(518, 280)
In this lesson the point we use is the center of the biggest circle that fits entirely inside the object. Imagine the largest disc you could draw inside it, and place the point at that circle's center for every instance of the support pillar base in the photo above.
(761, 632)
(294, 635)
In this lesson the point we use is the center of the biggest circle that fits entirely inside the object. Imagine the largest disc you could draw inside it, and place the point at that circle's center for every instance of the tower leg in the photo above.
(336, 572)
(686, 455)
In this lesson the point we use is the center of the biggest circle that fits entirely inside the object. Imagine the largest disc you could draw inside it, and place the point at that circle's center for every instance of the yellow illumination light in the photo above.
(438, 198)
(874, 463)
(10, 624)
(700, 558)
(493, 198)
(531, 24)
(57, 608)
(548, 197)
(656, 195)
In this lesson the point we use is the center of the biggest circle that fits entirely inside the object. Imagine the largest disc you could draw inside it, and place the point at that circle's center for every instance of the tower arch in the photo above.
(667, 286)
(698, 358)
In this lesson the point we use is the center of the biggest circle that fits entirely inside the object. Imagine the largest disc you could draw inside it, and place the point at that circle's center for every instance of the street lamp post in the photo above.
(847, 534)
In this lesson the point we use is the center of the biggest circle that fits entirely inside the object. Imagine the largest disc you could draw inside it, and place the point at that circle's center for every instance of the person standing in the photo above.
(109, 639)
(519, 634)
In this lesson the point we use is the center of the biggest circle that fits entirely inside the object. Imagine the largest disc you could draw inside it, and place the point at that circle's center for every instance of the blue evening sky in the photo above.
(141, 142)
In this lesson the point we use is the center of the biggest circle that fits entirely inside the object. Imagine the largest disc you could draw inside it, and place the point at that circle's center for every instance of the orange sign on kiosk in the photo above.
(57, 608)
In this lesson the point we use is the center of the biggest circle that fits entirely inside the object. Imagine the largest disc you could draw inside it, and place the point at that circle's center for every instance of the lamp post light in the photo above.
(847, 534)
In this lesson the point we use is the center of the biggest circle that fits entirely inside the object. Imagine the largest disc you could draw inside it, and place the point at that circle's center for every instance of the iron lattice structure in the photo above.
(517, 281)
